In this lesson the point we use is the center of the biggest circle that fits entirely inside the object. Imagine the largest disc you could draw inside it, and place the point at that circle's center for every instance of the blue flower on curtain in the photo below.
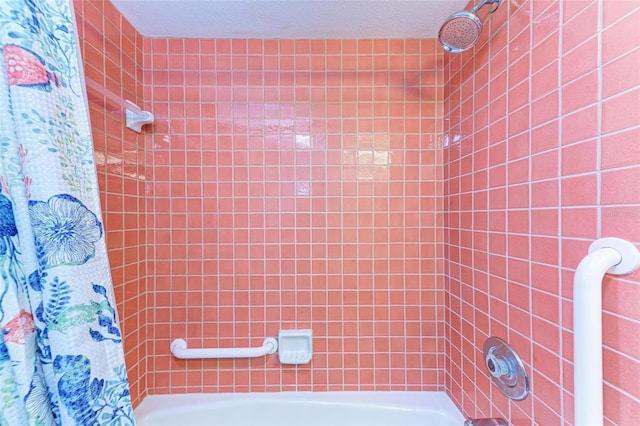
(65, 231)
(7, 224)
(76, 389)
(8, 230)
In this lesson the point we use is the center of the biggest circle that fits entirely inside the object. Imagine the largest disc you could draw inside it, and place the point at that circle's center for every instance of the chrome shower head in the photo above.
(461, 31)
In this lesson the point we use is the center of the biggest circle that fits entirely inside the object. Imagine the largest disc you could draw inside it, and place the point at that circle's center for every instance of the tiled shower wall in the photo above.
(543, 126)
(112, 56)
(554, 172)
(323, 214)
(296, 184)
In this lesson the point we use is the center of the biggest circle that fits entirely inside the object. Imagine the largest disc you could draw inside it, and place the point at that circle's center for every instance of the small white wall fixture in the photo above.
(606, 255)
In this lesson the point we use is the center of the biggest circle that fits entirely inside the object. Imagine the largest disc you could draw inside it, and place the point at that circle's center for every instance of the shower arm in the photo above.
(479, 6)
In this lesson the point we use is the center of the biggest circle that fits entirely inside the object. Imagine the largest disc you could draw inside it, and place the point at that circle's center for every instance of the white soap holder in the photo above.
(295, 346)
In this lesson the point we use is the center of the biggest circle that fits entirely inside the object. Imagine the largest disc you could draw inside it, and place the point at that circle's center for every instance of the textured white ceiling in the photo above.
(286, 19)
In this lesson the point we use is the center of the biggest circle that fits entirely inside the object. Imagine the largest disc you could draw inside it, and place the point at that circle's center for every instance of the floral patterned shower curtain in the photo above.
(61, 357)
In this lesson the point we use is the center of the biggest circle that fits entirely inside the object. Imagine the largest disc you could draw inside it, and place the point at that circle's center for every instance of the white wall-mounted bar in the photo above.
(134, 117)
(179, 350)
(606, 255)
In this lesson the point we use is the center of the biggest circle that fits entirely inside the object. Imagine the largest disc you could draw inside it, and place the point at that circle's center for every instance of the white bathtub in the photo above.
(300, 409)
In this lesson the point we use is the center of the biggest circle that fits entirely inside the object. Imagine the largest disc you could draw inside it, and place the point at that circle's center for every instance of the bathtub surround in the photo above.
(112, 55)
(524, 198)
(544, 120)
(296, 184)
(375, 188)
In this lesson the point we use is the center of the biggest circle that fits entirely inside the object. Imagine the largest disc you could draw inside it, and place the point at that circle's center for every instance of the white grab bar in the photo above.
(615, 256)
(179, 350)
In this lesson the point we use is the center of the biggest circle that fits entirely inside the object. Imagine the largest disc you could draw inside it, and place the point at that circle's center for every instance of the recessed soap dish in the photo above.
(295, 346)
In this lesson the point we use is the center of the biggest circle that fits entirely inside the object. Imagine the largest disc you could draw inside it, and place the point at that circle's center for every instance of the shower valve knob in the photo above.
(505, 368)
(498, 367)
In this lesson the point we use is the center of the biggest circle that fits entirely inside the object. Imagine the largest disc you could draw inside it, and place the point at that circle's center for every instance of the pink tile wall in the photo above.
(112, 56)
(543, 122)
(296, 184)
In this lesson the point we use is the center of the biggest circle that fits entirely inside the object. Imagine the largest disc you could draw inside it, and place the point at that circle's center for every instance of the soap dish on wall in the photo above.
(295, 346)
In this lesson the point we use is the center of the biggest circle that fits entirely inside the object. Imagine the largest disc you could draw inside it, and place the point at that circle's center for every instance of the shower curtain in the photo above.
(61, 356)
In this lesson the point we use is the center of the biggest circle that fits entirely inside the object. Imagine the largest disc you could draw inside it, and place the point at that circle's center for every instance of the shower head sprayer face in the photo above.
(461, 31)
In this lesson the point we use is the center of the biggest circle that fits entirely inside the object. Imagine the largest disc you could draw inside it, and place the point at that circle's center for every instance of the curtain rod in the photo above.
(135, 117)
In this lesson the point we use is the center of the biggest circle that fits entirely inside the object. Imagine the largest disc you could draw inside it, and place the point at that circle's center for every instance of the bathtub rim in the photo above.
(410, 400)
